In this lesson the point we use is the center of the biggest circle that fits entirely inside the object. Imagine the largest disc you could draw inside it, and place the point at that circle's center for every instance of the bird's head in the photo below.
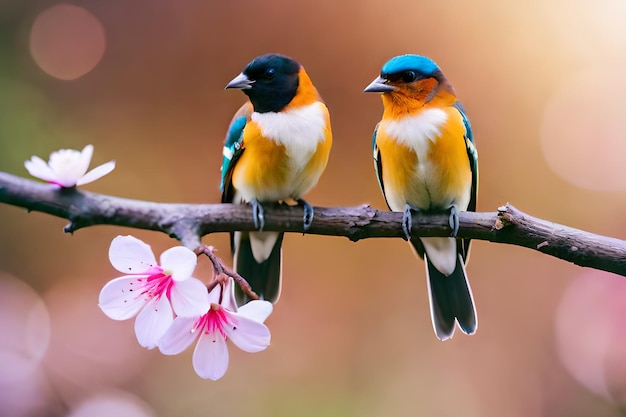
(409, 77)
(270, 81)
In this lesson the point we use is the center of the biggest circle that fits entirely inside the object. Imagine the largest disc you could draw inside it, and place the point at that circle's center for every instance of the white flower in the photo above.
(244, 327)
(155, 293)
(67, 167)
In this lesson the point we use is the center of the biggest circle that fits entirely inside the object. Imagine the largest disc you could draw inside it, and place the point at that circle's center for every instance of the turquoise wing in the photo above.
(378, 166)
(233, 148)
(472, 154)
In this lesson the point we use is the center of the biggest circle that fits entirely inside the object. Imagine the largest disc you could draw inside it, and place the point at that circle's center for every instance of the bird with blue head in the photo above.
(425, 160)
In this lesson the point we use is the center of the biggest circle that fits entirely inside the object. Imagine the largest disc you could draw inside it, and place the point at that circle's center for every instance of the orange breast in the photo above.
(261, 167)
(428, 172)
(267, 172)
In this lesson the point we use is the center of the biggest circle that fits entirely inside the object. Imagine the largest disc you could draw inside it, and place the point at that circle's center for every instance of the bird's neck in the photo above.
(428, 93)
(306, 92)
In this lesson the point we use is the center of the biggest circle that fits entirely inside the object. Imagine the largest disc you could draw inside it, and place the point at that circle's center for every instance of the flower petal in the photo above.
(210, 358)
(131, 255)
(85, 159)
(38, 168)
(96, 173)
(256, 310)
(228, 299)
(121, 298)
(248, 335)
(153, 321)
(67, 166)
(214, 294)
(179, 262)
(179, 336)
(189, 298)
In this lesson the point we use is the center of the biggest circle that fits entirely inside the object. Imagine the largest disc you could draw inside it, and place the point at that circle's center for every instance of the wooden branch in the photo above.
(189, 222)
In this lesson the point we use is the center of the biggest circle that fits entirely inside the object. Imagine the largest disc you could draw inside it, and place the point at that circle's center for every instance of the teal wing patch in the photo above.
(233, 147)
(378, 166)
(472, 154)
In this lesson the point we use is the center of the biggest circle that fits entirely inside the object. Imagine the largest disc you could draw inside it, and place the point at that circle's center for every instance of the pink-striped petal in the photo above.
(121, 298)
(153, 321)
(189, 298)
(179, 336)
(248, 335)
(130, 255)
(179, 262)
(210, 358)
(96, 173)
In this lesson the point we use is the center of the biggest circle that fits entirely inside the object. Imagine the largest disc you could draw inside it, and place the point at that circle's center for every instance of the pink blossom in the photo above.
(68, 167)
(154, 293)
(222, 321)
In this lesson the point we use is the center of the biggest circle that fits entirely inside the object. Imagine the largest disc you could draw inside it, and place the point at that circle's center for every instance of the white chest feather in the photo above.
(417, 131)
(299, 131)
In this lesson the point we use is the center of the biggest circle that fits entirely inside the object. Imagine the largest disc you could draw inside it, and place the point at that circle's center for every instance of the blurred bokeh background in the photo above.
(544, 86)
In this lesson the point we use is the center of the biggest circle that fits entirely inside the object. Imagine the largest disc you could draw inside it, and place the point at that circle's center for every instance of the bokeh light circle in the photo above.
(112, 403)
(25, 326)
(582, 133)
(88, 349)
(590, 332)
(67, 41)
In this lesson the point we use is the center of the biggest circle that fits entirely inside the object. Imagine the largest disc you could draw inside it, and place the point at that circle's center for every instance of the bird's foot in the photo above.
(453, 220)
(308, 213)
(407, 221)
(257, 215)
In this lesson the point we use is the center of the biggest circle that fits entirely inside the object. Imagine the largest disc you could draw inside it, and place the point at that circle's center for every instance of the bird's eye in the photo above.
(269, 73)
(409, 76)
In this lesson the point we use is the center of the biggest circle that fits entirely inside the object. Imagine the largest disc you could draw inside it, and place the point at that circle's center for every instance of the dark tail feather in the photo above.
(264, 277)
(450, 299)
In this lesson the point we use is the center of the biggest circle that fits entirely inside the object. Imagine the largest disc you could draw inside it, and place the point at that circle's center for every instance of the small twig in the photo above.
(220, 270)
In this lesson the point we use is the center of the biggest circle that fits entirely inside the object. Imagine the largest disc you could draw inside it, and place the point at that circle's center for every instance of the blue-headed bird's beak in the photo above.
(379, 85)
(241, 82)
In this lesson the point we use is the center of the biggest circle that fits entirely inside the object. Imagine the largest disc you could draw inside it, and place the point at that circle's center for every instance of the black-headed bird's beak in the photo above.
(379, 85)
(241, 82)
